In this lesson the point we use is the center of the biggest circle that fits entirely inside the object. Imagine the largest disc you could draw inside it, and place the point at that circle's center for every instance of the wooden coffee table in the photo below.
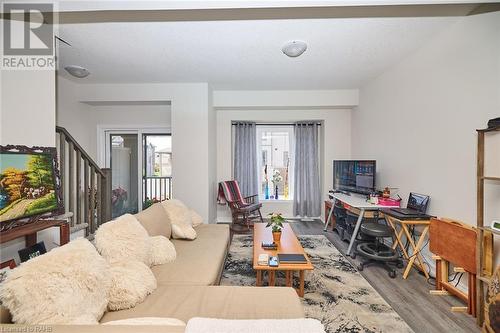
(288, 244)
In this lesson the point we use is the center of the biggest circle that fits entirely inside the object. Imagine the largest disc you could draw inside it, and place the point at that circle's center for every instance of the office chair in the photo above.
(376, 252)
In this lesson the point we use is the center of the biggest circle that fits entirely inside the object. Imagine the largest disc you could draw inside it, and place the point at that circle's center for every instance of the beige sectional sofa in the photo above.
(188, 287)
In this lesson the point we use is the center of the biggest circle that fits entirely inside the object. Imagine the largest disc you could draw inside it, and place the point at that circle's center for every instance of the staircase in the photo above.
(86, 187)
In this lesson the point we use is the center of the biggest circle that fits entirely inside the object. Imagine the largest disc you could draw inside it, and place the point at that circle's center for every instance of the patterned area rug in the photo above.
(335, 293)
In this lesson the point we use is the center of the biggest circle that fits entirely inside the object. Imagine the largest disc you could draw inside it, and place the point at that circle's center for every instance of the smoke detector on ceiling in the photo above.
(294, 48)
(77, 71)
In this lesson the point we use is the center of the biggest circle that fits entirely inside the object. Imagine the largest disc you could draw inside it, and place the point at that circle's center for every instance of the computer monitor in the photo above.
(418, 202)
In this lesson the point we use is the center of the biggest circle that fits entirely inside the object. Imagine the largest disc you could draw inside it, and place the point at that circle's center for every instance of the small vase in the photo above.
(276, 193)
(276, 236)
(266, 191)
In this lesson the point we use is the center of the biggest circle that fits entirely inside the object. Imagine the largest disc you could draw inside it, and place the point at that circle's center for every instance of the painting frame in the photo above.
(56, 180)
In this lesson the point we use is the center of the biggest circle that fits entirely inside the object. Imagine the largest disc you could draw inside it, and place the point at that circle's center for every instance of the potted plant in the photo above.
(276, 224)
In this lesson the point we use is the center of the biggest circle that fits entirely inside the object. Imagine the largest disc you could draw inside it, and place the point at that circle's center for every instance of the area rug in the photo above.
(335, 292)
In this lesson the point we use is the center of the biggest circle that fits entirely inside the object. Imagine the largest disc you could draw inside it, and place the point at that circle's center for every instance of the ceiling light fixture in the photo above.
(77, 71)
(294, 48)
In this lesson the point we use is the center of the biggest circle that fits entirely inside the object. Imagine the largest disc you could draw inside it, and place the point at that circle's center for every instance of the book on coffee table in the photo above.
(263, 259)
(292, 258)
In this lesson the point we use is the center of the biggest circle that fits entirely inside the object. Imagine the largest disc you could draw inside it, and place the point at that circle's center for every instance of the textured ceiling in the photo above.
(342, 53)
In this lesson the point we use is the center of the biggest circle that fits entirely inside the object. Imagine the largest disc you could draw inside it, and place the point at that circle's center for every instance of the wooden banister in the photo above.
(86, 187)
(85, 156)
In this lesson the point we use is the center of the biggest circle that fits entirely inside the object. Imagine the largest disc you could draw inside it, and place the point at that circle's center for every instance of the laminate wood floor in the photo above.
(410, 297)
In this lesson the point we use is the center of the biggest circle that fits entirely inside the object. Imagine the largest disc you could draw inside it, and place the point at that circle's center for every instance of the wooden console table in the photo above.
(29, 231)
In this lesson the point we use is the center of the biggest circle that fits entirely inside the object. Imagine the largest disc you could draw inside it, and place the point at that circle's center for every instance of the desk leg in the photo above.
(398, 234)
(355, 232)
(329, 217)
(416, 252)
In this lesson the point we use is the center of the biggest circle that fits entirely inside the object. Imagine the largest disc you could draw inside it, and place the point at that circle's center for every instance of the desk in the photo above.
(354, 201)
(404, 232)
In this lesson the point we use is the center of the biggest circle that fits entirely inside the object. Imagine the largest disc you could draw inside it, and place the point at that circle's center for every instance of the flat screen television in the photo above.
(29, 184)
(356, 176)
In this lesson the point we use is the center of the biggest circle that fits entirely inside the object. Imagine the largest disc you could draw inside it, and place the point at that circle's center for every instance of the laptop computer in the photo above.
(417, 205)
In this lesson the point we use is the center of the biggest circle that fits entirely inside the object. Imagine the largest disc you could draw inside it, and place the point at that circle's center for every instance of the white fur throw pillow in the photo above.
(132, 281)
(123, 239)
(162, 250)
(183, 231)
(180, 218)
(158, 321)
(68, 285)
(196, 218)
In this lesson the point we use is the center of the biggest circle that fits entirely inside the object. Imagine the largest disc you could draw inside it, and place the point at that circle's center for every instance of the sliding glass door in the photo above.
(141, 168)
(124, 171)
(157, 168)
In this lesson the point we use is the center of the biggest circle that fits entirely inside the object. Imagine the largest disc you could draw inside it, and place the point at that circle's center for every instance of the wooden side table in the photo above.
(29, 231)
(404, 232)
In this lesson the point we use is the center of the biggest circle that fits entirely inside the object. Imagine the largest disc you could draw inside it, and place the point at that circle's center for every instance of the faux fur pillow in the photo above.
(68, 285)
(196, 218)
(123, 239)
(162, 250)
(132, 281)
(180, 218)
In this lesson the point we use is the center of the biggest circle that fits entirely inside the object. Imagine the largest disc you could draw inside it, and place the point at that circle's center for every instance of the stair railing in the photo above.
(86, 186)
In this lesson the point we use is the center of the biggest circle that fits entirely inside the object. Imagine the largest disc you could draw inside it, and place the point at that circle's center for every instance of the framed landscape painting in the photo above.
(28, 183)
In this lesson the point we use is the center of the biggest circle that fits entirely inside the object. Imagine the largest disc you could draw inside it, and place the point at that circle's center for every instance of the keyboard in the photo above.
(406, 211)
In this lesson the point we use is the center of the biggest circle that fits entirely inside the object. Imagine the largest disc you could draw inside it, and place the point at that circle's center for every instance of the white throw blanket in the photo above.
(204, 325)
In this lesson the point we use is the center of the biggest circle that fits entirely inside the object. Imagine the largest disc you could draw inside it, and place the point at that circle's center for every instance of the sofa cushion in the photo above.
(198, 262)
(180, 218)
(155, 220)
(162, 250)
(68, 285)
(132, 282)
(123, 239)
(225, 302)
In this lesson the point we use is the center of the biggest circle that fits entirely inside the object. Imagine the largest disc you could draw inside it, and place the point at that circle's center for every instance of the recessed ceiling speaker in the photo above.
(294, 48)
(77, 71)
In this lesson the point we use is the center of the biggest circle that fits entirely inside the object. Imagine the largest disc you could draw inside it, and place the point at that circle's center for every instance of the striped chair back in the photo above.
(229, 192)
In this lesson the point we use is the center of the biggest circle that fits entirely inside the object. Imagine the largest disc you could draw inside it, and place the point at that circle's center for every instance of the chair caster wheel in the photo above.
(360, 267)
(392, 274)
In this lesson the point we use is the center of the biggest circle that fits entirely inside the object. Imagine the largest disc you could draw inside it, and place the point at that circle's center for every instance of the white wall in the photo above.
(189, 121)
(83, 120)
(335, 144)
(74, 115)
(27, 117)
(418, 119)
(335, 138)
(27, 107)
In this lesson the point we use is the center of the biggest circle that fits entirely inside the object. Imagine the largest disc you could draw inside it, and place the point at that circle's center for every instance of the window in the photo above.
(275, 147)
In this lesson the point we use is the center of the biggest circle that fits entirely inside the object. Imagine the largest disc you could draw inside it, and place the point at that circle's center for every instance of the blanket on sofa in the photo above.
(203, 325)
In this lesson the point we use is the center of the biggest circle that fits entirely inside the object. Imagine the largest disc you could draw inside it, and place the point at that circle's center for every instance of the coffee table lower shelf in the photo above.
(288, 278)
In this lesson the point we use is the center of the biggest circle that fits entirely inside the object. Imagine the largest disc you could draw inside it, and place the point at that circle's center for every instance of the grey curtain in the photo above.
(245, 157)
(307, 192)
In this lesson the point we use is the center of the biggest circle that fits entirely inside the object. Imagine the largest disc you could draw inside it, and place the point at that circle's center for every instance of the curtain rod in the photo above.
(269, 124)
